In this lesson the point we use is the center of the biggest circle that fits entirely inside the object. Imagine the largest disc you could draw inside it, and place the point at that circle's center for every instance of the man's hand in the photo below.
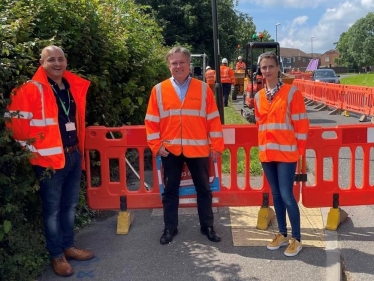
(163, 152)
(214, 154)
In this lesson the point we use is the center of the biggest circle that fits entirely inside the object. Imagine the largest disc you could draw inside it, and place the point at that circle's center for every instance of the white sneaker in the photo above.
(278, 241)
(293, 248)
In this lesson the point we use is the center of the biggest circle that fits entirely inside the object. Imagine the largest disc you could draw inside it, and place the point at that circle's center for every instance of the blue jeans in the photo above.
(60, 195)
(281, 176)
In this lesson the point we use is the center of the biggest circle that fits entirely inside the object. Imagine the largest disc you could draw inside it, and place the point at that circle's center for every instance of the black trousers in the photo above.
(199, 168)
(226, 89)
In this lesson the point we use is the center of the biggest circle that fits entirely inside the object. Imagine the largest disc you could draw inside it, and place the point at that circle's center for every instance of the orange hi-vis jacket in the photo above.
(191, 127)
(210, 76)
(240, 65)
(35, 125)
(227, 75)
(282, 125)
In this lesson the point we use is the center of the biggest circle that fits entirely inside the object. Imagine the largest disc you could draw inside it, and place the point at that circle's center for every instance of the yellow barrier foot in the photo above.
(334, 218)
(345, 113)
(265, 216)
(124, 220)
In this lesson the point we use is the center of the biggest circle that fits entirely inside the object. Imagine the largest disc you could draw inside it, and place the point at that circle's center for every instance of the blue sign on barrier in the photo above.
(186, 185)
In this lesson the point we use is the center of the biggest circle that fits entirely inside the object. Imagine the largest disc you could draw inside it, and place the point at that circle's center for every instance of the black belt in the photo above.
(71, 149)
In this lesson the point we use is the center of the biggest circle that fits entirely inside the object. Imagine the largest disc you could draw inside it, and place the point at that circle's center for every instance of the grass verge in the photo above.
(364, 79)
(232, 117)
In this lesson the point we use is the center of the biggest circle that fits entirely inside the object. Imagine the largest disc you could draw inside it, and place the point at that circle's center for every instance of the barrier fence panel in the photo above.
(329, 168)
(355, 98)
(358, 99)
(108, 168)
(334, 95)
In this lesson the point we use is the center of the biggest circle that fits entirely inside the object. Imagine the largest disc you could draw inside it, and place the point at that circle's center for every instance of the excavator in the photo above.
(256, 80)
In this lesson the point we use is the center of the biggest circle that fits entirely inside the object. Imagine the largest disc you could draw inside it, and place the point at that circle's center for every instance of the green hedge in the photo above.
(111, 43)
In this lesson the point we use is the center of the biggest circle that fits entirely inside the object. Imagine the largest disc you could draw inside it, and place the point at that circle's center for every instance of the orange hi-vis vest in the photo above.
(191, 127)
(240, 65)
(35, 125)
(282, 125)
(227, 75)
(210, 76)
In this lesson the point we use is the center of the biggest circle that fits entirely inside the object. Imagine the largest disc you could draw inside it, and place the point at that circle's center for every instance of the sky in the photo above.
(300, 20)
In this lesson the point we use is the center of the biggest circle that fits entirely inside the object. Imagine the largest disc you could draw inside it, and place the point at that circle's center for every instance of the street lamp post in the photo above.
(311, 44)
(276, 31)
(218, 85)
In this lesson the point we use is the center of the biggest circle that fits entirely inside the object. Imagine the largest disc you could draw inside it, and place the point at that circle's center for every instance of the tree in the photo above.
(189, 22)
(356, 45)
(112, 43)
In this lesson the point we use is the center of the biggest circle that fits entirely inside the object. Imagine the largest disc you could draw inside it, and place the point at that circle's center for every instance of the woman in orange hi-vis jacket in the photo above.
(282, 132)
(183, 126)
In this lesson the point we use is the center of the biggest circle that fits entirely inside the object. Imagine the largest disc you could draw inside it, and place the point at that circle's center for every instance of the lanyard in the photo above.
(62, 103)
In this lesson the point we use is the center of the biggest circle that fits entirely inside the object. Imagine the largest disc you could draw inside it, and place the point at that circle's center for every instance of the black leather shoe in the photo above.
(168, 235)
(210, 233)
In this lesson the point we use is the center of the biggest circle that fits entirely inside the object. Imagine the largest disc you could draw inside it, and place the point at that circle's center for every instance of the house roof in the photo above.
(332, 51)
(292, 52)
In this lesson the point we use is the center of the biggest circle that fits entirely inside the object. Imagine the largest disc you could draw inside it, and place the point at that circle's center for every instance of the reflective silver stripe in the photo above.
(275, 146)
(212, 115)
(301, 136)
(44, 121)
(39, 122)
(191, 112)
(153, 136)
(181, 111)
(204, 91)
(300, 116)
(290, 97)
(215, 134)
(152, 118)
(158, 94)
(275, 126)
(20, 114)
(187, 142)
(43, 151)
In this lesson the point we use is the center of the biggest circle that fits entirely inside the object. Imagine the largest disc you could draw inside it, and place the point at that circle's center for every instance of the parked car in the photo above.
(325, 75)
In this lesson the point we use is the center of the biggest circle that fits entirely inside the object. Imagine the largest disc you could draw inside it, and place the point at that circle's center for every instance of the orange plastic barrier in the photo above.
(352, 144)
(108, 170)
(352, 98)
(104, 190)
(355, 99)
(334, 95)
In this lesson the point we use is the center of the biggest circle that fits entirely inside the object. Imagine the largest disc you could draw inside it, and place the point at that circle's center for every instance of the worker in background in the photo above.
(240, 65)
(210, 77)
(227, 79)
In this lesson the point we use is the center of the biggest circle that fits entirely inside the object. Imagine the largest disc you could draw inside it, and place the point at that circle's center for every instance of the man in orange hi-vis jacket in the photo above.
(227, 79)
(210, 77)
(282, 133)
(50, 111)
(183, 126)
(240, 65)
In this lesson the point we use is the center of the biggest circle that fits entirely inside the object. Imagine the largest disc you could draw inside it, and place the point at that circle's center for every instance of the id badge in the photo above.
(70, 126)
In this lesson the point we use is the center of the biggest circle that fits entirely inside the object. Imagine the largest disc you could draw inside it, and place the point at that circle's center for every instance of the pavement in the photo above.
(138, 256)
